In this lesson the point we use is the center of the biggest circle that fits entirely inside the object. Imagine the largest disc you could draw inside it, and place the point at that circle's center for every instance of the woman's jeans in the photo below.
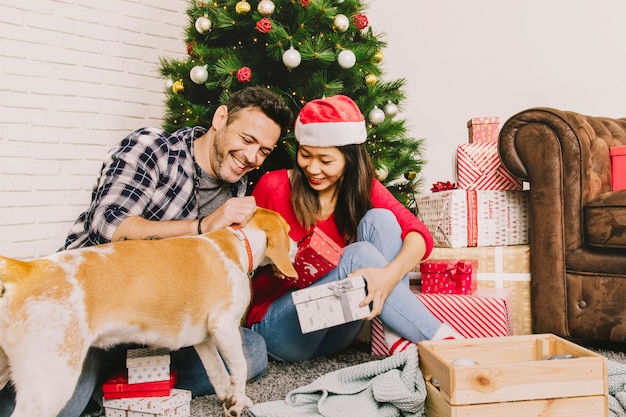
(378, 242)
(100, 365)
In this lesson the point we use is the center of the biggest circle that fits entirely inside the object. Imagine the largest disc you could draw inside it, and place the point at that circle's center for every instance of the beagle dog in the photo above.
(168, 293)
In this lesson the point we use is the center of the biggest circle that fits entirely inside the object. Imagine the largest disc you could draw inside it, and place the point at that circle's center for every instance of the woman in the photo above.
(332, 186)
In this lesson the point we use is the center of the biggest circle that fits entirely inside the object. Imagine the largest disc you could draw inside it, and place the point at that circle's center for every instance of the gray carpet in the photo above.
(280, 378)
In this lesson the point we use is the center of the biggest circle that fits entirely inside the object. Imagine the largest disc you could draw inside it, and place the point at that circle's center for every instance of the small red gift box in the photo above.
(618, 167)
(118, 387)
(449, 276)
(317, 255)
(483, 129)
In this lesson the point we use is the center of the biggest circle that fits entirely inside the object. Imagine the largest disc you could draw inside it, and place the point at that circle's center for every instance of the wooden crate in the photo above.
(511, 378)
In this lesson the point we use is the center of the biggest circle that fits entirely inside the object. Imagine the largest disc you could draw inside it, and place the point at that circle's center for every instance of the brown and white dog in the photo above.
(169, 293)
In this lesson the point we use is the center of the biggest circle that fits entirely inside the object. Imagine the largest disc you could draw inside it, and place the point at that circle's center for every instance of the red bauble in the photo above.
(264, 25)
(190, 46)
(244, 75)
(304, 3)
(360, 21)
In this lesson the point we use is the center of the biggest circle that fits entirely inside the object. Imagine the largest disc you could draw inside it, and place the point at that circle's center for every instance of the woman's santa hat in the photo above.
(332, 121)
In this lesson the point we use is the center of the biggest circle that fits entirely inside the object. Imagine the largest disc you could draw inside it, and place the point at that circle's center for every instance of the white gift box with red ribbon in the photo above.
(485, 313)
(176, 405)
(467, 218)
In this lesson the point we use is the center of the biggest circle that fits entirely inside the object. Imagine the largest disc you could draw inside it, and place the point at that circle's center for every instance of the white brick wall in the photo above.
(75, 77)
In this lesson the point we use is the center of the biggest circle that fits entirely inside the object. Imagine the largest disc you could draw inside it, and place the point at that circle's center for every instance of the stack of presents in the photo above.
(146, 389)
(477, 278)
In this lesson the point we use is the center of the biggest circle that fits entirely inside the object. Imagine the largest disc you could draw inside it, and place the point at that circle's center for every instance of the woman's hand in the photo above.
(380, 283)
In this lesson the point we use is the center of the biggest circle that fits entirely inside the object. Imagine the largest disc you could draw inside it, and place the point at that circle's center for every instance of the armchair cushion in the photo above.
(605, 221)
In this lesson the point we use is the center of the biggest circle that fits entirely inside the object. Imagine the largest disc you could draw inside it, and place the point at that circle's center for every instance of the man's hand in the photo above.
(234, 211)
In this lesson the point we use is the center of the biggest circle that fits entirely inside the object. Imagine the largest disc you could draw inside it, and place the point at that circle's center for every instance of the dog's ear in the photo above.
(278, 240)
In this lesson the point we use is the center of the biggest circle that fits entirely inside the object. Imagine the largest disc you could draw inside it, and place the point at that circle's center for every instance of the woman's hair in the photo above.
(354, 197)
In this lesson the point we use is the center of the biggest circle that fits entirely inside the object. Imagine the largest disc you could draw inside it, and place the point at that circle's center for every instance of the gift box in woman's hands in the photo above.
(317, 255)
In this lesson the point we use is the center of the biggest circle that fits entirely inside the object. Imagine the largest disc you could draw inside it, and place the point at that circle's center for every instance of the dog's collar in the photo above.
(237, 231)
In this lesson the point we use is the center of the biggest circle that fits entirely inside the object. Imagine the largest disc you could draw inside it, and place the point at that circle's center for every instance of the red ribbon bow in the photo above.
(442, 186)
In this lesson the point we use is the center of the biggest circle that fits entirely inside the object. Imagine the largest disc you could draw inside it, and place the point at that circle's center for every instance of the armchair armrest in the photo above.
(565, 158)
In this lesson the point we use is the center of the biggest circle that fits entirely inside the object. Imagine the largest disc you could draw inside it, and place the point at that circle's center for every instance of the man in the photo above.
(155, 185)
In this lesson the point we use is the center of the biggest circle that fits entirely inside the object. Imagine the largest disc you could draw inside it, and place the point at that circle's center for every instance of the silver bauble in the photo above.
(346, 59)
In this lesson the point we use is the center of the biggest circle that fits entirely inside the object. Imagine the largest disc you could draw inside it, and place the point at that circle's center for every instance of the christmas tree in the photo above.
(301, 50)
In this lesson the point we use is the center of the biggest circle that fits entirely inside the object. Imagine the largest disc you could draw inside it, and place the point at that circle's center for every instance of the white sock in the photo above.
(446, 332)
(395, 342)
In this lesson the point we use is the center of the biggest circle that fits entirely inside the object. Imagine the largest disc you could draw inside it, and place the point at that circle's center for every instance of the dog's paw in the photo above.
(234, 408)
(222, 387)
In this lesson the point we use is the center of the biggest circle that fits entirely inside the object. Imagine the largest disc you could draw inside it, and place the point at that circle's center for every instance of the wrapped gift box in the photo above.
(327, 305)
(483, 129)
(317, 255)
(479, 168)
(176, 404)
(618, 167)
(500, 267)
(462, 218)
(118, 387)
(148, 365)
(505, 376)
(482, 314)
(449, 276)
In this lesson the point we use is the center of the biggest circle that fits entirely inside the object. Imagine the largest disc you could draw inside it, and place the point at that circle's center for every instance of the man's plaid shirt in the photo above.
(151, 174)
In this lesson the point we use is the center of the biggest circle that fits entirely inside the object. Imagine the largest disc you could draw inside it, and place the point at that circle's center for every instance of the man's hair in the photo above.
(268, 102)
(354, 192)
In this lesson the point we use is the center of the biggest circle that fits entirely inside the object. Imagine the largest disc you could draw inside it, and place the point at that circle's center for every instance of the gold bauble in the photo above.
(411, 175)
(242, 7)
(378, 56)
(371, 79)
(178, 87)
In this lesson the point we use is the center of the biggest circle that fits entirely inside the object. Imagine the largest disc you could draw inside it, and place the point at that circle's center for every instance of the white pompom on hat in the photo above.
(332, 121)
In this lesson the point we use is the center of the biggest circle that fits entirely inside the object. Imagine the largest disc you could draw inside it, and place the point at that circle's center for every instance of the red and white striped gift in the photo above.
(482, 314)
(479, 168)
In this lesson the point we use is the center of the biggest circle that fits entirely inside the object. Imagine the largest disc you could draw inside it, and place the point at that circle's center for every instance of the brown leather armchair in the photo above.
(578, 225)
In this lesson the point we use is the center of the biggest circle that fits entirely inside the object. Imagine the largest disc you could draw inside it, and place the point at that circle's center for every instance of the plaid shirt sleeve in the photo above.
(149, 174)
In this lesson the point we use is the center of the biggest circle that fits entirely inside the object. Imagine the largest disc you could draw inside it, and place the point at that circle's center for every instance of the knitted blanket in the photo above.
(617, 389)
(389, 387)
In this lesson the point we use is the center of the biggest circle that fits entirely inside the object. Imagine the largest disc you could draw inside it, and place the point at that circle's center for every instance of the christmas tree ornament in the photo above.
(190, 47)
(378, 57)
(244, 75)
(371, 79)
(292, 58)
(266, 7)
(340, 1)
(304, 3)
(242, 7)
(346, 59)
(199, 74)
(341, 22)
(376, 116)
(264, 25)
(360, 21)
(390, 109)
(178, 87)
(203, 25)
(382, 173)
(411, 175)
(167, 84)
